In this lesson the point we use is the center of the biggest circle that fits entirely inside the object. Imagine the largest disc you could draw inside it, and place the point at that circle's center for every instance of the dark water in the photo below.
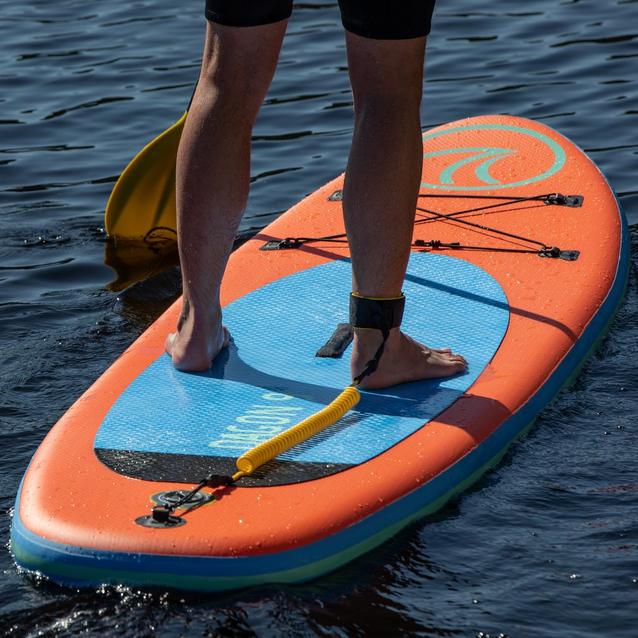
(546, 545)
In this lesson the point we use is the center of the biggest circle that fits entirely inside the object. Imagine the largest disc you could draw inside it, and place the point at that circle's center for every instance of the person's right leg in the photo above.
(380, 192)
(213, 171)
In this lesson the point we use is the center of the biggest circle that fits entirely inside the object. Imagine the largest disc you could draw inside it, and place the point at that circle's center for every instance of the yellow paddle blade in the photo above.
(142, 202)
(248, 462)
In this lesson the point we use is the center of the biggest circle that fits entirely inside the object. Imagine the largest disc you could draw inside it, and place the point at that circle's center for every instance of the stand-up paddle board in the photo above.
(519, 261)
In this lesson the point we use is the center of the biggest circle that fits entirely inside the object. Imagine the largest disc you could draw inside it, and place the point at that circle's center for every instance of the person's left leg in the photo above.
(382, 178)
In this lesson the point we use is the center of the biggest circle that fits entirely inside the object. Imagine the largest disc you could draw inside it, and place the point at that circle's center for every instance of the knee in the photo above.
(238, 65)
(230, 87)
(226, 78)
(223, 92)
(396, 103)
(391, 93)
(386, 76)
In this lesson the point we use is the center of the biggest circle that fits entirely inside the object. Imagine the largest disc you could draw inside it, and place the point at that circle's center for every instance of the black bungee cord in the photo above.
(543, 250)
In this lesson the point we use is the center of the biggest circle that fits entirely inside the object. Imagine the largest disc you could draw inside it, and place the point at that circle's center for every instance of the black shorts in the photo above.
(381, 20)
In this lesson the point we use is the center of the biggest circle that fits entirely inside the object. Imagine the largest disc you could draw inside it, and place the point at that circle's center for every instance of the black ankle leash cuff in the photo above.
(378, 314)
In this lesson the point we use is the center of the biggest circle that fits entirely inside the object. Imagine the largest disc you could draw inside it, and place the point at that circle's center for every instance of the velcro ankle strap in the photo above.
(379, 314)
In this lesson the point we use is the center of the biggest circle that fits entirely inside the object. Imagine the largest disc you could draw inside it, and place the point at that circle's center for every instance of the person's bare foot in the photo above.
(196, 343)
(403, 360)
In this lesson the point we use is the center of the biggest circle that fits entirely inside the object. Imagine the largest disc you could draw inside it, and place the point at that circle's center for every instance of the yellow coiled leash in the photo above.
(365, 312)
(248, 462)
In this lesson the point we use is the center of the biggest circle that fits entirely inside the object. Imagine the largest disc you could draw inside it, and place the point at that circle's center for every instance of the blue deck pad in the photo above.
(269, 379)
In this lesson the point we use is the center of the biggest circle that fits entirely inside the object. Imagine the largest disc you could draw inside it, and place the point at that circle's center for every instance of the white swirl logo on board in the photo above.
(483, 158)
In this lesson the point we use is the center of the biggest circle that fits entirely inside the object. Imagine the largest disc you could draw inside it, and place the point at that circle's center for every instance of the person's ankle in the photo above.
(200, 317)
(370, 338)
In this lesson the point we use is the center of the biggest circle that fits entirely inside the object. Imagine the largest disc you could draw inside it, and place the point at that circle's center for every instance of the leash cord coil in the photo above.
(248, 462)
